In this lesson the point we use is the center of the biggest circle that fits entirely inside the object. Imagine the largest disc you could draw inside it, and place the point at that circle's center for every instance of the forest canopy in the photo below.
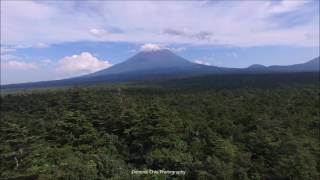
(210, 132)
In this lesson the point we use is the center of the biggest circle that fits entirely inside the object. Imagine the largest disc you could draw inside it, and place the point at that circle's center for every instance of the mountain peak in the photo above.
(151, 47)
(149, 60)
(155, 51)
(156, 55)
(256, 66)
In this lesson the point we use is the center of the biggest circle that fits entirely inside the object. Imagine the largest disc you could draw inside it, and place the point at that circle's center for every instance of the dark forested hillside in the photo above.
(255, 129)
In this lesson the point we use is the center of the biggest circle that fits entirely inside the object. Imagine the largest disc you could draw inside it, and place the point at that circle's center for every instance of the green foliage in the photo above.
(211, 133)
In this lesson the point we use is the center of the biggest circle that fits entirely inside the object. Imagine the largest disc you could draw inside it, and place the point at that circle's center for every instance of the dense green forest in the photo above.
(210, 131)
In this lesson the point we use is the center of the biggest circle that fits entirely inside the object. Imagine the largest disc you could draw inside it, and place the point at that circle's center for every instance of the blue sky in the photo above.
(54, 39)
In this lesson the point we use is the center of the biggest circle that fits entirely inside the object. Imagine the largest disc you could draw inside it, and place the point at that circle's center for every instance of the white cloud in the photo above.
(202, 62)
(150, 47)
(13, 48)
(41, 45)
(235, 23)
(157, 47)
(178, 49)
(6, 50)
(18, 70)
(80, 64)
(98, 32)
(18, 65)
(286, 6)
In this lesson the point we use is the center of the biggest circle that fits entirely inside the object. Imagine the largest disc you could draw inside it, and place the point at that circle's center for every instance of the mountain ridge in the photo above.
(164, 64)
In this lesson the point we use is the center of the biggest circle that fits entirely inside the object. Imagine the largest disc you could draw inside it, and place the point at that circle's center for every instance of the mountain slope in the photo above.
(148, 60)
(312, 65)
(158, 62)
(309, 66)
(163, 64)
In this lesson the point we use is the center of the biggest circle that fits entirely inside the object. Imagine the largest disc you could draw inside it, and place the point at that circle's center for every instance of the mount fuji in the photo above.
(162, 64)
